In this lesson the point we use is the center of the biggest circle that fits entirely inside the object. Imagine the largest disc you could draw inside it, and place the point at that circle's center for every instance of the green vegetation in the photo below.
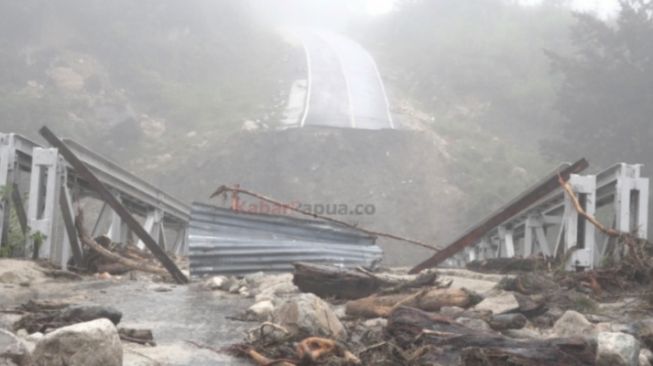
(16, 240)
(479, 60)
(135, 78)
(607, 94)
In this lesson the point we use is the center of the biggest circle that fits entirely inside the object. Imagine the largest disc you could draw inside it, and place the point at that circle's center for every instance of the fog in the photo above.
(435, 111)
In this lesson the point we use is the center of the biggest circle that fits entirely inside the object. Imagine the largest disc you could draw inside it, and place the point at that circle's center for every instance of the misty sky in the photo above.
(603, 8)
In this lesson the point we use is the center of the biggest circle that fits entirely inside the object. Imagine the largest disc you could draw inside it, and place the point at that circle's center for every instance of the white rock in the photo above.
(308, 315)
(31, 340)
(573, 324)
(524, 333)
(22, 333)
(234, 288)
(13, 351)
(375, 323)
(244, 291)
(92, 343)
(263, 310)
(340, 311)
(35, 337)
(253, 279)
(644, 359)
(217, 283)
(265, 297)
(499, 303)
(617, 349)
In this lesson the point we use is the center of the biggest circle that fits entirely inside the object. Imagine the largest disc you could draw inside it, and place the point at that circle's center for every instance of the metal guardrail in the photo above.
(22, 158)
(222, 241)
(111, 174)
(554, 203)
(128, 185)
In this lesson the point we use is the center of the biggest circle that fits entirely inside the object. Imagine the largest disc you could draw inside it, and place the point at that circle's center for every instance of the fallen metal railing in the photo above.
(551, 226)
(222, 241)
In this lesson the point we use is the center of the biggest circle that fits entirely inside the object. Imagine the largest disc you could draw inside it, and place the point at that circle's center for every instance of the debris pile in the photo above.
(55, 333)
(533, 315)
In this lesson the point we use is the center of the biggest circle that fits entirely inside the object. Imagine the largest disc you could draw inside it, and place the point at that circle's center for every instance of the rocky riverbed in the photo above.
(221, 320)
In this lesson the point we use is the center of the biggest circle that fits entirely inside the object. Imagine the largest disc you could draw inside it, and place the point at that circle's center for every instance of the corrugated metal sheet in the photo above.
(222, 241)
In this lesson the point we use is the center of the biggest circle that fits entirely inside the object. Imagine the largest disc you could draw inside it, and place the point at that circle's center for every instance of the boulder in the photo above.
(617, 349)
(261, 310)
(308, 315)
(272, 287)
(13, 351)
(645, 357)
(644, 331)
(644, 360)
(84, 344)
(573, 324)
(524, 333)
(476, 324)
(499, 303)
(218, 283)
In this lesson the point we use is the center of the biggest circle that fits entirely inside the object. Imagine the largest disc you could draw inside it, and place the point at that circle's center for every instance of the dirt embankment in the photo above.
(397, 177)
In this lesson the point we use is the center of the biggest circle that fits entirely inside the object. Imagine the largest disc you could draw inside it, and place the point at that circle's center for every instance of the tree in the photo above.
(607, 93)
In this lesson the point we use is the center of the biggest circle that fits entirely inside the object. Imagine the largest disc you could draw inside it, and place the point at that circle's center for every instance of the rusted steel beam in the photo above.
(522, 202)
(69, 224)
(111, 200)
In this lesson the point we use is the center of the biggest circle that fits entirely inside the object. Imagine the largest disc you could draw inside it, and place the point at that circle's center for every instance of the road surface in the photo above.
(343, 88)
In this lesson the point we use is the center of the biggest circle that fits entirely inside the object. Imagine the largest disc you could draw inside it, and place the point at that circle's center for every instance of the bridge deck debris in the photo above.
(111, 200)
(522, 202)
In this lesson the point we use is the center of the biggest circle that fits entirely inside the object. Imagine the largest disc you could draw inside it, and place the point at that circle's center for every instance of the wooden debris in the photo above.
(113, 257)
(328, 281)
(529, 197)
(508, 265)
(59, 273)
(310, 351)
(410, 326)
(339, 283)
(115, 204)
(430, 299)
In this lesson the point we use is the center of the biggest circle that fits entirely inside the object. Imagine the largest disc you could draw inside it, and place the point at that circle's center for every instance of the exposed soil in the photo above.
(401, 173)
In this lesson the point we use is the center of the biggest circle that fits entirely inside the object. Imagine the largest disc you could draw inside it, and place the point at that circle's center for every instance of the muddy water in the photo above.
(179, 314)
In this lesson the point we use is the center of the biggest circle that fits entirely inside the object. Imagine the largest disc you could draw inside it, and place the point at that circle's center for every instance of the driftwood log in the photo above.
(334, 282)
(507, 265)
(350, 284)
(430, 299)
(110, 256)
(457, 344)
